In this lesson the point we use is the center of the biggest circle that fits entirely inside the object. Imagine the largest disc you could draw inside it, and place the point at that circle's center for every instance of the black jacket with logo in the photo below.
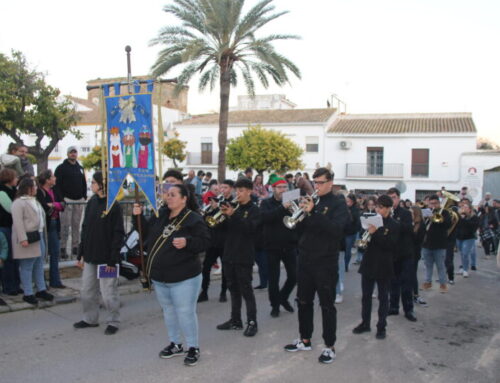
(276, 234)
(378, 259)
(321, 231)
(239, 247)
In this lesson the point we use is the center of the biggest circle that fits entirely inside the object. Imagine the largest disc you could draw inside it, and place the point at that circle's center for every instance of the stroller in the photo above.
(131, 257)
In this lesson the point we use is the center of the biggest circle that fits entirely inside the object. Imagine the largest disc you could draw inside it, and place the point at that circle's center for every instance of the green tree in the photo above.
(29, 106)
(174, 149)
(263, 150)
(484, 143)
(93, 160)
(218, 42)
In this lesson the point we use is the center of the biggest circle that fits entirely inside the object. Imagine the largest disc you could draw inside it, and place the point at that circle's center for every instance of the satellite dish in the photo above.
(401, 186)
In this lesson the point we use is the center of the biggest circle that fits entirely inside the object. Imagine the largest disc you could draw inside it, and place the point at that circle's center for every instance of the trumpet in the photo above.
(208, 209)
(363, 242)
(298, 213)
(219, 217)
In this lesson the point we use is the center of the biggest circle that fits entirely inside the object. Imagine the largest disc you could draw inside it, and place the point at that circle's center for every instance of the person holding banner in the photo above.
(174, 241)
(102, 237)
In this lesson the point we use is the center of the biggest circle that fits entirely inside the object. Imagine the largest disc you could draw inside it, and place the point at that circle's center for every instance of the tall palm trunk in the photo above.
(225, 88)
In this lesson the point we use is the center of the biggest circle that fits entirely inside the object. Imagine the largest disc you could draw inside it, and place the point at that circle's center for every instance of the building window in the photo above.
(420, 162)
(375, 161)
(85, 149)
(312, 144)
(206, 153)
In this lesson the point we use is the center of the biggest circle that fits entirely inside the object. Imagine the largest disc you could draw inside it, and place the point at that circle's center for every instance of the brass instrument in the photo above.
(219, 217)
(298, 213)
(208, 209)
(437, 217)
(363, 242)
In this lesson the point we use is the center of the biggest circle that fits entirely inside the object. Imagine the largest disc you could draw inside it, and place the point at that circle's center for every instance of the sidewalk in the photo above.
(71, 278)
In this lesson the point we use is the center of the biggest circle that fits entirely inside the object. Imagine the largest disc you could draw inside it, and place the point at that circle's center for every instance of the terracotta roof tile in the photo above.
(264, 116)
(403, 123)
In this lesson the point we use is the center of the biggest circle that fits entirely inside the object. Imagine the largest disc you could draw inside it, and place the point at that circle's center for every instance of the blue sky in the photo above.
(383, 56)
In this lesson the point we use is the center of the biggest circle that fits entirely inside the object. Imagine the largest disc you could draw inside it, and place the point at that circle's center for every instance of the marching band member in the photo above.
(174, 240)
(320, 233)
(377, 266)
(435, 242)
(239, 256)
(466, 234)
(402, 283)
(216, 249)
(280, 245)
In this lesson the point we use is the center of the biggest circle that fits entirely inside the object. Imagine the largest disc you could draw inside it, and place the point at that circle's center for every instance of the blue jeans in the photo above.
(53, 245)
(340, 281)
(467, 253)
(349, 243)
(10, 271)
(32, 269)
(431, 257)
(178, 302)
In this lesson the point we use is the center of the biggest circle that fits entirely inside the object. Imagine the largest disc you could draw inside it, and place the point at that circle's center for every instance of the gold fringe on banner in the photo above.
(161, 135)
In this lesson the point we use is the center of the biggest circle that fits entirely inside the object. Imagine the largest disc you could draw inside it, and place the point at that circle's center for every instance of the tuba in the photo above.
(298, 214)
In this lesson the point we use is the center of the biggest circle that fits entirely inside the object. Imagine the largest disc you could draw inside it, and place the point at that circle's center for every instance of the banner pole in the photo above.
(144, 279)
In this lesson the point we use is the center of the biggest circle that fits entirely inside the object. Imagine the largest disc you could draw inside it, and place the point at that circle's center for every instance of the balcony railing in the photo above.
(374, 170)
(202, 158)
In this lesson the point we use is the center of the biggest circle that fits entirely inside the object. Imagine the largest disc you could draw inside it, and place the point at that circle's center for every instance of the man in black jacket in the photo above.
(280, 244)
(72, 186)
(403, 281)
(319, 235)
(218, 234)
(239, 256)
(377, 266)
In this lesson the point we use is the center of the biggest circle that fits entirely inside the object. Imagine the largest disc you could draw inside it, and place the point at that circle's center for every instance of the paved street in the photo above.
(456, 339)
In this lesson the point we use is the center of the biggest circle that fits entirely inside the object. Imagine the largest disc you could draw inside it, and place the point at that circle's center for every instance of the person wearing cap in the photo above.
(280, 245)
(377, 266)
(72, 186)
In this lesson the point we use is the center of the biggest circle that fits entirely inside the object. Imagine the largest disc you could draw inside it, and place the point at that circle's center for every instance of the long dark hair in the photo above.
(25, 187)
(191, 201)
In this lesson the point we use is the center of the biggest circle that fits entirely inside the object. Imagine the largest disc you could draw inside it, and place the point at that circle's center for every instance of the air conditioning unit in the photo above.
(345, 145)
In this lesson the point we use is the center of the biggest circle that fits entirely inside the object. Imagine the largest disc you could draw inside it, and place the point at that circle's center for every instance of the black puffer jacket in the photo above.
(467, 227)
(102, 236)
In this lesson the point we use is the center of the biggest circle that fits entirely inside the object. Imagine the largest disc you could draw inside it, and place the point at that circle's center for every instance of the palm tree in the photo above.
(217, 41)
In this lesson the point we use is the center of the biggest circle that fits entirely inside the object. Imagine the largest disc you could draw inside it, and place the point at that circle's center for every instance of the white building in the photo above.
(419, 153)
(263, 102)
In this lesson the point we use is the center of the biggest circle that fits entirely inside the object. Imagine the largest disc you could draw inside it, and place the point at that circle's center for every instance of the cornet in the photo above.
(298, 213)
(219, 217)
(363, 242)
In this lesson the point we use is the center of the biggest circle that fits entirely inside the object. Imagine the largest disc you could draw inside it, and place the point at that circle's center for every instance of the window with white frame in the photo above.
(312, 144)
(85, 149)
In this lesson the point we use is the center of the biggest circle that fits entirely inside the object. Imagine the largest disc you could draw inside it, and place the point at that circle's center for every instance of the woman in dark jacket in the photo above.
(352, 228)
(52, 204)
(10, 271)
(466, 235)
(174, 240)
(102, 237)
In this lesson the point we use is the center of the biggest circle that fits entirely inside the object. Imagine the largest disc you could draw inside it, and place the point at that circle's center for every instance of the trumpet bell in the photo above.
(289, 222)
(211, 221)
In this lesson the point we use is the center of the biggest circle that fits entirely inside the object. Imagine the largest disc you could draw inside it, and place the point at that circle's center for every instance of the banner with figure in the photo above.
(130, 142)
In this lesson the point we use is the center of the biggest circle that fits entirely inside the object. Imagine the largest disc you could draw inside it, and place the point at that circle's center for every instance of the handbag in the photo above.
(33, 236)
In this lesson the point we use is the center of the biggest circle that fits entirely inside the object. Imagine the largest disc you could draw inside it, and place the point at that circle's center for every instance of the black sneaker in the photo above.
(361, 328)
(111, 330)
(251, 329)
(287, 306)
(171, 350)
(275, 312)
(393, 312)
(62, 254)
(74, 251)
(380, 334)
(192, 356)
(298, 345)
(327, 356)
(83, 324)
(473, 268)
(30, 299)
(231, 325)
(223, 297)
(44, 295)
(203, 297)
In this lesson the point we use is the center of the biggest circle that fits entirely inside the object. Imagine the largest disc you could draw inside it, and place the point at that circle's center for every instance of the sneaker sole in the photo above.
(171, 356)
(299, 349)
(190, 364)
(326, 361)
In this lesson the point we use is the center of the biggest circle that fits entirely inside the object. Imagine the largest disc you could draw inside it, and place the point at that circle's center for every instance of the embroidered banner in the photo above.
(130, 142)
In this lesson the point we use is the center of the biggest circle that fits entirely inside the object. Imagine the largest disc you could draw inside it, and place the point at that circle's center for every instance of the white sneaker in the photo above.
(374, 295)
(339, 298)
(465, 274)
(298, 345)
(460, 271)
(327, 356)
